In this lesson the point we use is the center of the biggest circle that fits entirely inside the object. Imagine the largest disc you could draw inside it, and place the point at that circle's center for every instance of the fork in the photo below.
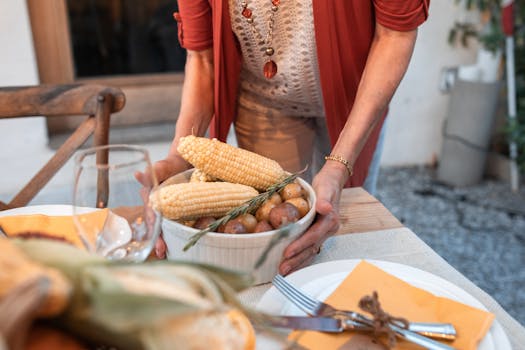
(314, 307)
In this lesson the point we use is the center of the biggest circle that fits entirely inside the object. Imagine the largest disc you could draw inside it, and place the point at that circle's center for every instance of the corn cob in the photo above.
(230, 163)
(186, 201)
(17, 268)
(200, 176)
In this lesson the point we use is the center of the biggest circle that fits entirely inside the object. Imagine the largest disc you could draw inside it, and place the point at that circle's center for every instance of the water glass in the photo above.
(112, 209)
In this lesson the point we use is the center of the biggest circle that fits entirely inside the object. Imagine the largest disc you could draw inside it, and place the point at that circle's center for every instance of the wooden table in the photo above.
(368, 230)
(366, 226)
(361, 212)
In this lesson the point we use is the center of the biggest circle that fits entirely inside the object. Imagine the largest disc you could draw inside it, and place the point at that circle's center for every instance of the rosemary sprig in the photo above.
(244, 208)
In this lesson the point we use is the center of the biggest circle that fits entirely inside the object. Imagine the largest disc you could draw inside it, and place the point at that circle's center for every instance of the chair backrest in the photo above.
(94, 101)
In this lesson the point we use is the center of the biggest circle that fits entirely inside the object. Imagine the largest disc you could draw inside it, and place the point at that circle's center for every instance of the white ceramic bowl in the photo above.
(232, 251)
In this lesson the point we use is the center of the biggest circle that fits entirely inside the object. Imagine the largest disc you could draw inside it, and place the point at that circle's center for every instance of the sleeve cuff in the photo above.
(199, 36)
(402, 15)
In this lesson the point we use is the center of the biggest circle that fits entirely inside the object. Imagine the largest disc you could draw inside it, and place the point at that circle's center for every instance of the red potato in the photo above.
(203, 222)
(263, 226)
(234, 226)
(301, 204)
(249, 221)
(283, 214)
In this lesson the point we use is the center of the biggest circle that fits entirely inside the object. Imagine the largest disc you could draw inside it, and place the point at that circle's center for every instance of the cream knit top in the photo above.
(295, 90)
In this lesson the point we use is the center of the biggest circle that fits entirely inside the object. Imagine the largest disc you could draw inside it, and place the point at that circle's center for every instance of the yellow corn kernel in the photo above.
(200, 176)
(230, 163)
(192, 200)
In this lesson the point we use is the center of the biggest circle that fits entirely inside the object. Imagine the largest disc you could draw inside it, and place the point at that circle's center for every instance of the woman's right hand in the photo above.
(164, 169)
(168, 167)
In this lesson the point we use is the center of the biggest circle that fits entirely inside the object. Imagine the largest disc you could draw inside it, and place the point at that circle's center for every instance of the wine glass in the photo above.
(112, 210)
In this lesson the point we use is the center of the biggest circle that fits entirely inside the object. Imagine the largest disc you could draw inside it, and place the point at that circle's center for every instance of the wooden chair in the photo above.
(94, 101)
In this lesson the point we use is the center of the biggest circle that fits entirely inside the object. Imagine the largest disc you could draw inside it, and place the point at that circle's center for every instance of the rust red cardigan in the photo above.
(344, 30)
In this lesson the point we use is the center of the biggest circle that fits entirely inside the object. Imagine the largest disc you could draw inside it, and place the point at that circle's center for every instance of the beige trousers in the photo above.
(294, 142)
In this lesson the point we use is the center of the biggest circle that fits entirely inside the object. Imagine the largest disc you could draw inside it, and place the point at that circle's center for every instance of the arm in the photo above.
(387, 62)
(196, 109)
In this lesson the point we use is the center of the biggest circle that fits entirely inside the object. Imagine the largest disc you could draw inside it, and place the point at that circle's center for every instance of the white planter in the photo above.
(467, 132)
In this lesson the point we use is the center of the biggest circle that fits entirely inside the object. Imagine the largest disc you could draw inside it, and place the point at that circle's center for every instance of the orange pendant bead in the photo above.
(276, 2)
(247, 13)
(270, 69)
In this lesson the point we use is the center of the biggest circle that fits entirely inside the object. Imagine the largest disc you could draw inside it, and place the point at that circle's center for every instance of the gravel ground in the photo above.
(480, 230)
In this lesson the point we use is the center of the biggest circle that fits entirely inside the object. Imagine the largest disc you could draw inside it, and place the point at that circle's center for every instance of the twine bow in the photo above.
(382, 321)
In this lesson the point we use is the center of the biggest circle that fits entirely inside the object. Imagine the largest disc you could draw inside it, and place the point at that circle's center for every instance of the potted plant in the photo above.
(487, 31)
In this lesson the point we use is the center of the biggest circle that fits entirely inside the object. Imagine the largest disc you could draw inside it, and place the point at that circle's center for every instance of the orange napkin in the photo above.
(401, 299)
(56, 226)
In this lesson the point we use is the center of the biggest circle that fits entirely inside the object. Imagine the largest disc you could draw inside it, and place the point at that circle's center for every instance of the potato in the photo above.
(190, 223)
(275, 199)
(264, 211)
(203, 222)
(249, 221)
(292, 190)
(234, 226)
(301, 204)
(283, 214)
(263, 226)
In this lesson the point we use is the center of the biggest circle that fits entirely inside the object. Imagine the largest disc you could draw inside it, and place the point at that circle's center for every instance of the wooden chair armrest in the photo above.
(56, 100)
(95, 101)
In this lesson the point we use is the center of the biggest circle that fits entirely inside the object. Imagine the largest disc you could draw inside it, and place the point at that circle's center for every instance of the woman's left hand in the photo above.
(327, 186)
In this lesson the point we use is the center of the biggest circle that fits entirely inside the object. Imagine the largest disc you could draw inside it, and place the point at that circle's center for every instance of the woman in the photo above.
(303, 81)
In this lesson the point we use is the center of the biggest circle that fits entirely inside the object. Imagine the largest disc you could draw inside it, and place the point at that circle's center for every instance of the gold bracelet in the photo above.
(342, 161)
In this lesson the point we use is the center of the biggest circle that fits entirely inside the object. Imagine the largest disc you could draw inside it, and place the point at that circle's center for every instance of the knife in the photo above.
(335, 325)
(321, 324)
(338, 325)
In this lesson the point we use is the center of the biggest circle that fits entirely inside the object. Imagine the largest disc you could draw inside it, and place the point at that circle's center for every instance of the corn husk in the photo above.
(17, 268)
(122, 304)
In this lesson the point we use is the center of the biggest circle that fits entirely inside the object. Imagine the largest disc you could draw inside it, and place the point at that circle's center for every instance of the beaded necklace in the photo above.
(270, 67)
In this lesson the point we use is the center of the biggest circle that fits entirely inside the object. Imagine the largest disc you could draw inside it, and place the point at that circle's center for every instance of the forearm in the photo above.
(386, 64)
(197, 97)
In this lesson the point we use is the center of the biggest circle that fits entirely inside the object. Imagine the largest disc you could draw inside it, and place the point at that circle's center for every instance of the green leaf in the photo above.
(452, 36)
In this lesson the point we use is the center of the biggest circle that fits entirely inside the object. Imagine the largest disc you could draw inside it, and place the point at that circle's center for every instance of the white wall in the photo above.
(418, 108)
(17, 62)
(19, 138)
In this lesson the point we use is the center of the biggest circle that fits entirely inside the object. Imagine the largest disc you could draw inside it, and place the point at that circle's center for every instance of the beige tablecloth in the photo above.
(403, 246)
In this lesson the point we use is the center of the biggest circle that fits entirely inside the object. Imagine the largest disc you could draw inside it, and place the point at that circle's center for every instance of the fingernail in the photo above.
(289, 254)
(286, 270)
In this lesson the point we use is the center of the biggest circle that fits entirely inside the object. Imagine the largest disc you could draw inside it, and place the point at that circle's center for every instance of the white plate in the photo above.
(67, 210)
(321, 280)
(52, 210)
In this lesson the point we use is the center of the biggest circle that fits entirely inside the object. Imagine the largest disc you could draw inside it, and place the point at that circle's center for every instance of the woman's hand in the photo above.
(327, 184)
(163, 169)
